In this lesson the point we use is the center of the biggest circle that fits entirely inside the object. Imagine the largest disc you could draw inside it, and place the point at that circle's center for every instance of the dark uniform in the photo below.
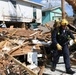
(61, 36)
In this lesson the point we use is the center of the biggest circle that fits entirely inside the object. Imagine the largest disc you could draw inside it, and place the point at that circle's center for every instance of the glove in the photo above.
(74, 40)
(59, 47)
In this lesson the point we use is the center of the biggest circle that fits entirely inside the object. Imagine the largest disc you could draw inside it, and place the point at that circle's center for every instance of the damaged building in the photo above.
(20, 12)
(28, 51)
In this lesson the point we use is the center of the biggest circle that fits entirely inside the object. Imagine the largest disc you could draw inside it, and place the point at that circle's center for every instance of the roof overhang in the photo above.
(51, 9)
(33, 3)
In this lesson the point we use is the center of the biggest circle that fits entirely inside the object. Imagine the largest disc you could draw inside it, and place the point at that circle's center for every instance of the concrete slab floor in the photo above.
(60, 69)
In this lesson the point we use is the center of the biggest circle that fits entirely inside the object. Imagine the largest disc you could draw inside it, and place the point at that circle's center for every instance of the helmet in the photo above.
(64, 22)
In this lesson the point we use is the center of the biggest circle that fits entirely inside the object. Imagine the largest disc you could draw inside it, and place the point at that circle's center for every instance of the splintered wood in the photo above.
(17, 42)
(20, 64)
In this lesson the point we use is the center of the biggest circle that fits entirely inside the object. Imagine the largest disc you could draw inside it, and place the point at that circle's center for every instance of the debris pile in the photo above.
(26, 52)
(20, 50)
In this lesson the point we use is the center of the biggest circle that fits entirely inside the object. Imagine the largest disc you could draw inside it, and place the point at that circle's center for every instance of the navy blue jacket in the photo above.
(61, 36)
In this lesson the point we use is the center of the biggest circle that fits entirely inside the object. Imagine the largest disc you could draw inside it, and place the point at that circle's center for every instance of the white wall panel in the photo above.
(25, 11)
(12, 9)
(22, 13)
(38, 15)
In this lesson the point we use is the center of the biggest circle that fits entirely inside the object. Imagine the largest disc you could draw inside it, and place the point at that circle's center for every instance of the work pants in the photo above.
(65, 53)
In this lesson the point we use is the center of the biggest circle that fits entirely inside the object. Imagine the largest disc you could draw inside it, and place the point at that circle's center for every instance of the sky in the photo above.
(68, 8)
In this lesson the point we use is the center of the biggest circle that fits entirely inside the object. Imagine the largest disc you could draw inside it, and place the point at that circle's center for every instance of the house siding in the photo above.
(56, 14)
(52, 15)
(46, 18)
(57, 10)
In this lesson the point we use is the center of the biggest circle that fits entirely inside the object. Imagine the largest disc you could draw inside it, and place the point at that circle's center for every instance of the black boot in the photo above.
(69, 71)
(53, 68)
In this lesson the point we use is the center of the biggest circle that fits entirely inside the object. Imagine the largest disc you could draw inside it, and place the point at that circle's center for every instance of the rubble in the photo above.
(18, 45)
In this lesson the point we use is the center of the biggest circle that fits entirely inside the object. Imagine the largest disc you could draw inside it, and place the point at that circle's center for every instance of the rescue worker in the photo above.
(56, 23)
(60, 38)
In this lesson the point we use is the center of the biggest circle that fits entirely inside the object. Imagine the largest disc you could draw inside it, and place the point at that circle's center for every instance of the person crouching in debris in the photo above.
(56, 24)
(3, 25)
(60, 38)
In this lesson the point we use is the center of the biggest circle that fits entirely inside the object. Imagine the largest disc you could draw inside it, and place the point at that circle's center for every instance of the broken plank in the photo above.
(41, 70)
(11, 34)
(2, 43)
(72, 27)
(22, 65)
(72, 57)
(15, 48)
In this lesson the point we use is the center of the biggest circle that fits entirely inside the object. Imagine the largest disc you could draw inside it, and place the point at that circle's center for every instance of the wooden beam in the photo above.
(11, 34)
(15, 48)
(63, 9)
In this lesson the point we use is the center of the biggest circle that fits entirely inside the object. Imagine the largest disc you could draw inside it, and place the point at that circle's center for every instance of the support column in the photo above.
(63, 8)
